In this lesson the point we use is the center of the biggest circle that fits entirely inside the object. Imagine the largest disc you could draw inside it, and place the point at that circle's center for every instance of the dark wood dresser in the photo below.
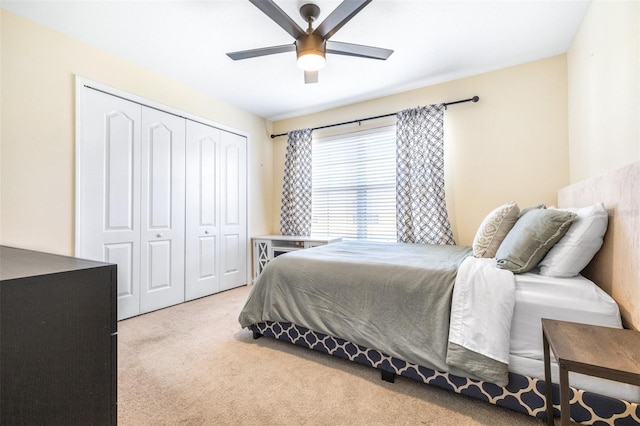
(58, 340)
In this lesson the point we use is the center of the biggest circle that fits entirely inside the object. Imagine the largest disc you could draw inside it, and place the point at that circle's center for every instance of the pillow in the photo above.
(495, 226)
(531, 238)
(577, 247)
(537, 206)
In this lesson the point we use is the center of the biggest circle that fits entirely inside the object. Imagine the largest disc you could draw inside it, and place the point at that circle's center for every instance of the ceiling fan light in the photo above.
(311, 61)
(310, 50)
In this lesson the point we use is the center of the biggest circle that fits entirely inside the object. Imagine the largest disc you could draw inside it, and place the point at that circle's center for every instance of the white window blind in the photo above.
(354, 185)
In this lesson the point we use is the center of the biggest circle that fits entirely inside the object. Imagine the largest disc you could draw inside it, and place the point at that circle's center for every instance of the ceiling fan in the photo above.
(312, 45)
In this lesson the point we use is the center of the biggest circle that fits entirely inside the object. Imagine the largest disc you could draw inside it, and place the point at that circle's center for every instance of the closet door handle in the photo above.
(206, 232)
(159, 235)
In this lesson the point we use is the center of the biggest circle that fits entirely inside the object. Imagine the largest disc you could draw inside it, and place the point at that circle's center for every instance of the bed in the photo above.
(467, 319)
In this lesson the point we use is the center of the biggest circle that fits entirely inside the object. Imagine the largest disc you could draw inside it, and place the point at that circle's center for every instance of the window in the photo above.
(354, 185)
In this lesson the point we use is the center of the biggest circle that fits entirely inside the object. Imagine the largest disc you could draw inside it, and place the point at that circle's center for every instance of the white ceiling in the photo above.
(434, 41)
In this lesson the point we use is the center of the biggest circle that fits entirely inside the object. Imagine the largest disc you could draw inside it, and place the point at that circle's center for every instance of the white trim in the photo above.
(79, 98)
(85, 82)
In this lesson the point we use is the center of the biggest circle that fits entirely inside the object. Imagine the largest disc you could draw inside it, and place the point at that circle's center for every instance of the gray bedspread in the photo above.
(349, 291)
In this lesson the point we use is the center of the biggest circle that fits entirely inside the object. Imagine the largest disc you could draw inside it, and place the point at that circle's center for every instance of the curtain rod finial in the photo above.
(475, 99)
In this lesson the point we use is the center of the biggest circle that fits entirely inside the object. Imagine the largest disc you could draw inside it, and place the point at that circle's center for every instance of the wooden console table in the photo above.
(267, 247)
(609, 353)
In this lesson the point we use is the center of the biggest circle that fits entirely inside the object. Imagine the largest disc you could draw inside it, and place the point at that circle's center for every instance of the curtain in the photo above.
(420, 201)
(295, 213)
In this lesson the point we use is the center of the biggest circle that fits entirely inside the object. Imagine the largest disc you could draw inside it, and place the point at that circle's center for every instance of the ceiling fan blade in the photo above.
(254, 53)
(310, 77)
(340, 16)
(350, 49)
(269, 8)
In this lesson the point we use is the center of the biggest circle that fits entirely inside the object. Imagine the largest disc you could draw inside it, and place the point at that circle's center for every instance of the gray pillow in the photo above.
(533, 235)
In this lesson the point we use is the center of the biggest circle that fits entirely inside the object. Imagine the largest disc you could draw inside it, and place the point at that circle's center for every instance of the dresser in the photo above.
(58, 347)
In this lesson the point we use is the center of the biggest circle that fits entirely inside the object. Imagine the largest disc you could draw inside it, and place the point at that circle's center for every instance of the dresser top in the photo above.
(18, 263)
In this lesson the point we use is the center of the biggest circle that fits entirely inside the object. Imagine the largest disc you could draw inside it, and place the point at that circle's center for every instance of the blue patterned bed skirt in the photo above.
(522, 393)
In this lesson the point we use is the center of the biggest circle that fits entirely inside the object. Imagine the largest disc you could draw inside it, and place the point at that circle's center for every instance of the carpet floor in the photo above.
(192, 364)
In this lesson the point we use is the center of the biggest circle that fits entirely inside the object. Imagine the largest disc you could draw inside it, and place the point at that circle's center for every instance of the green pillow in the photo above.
(533, 235)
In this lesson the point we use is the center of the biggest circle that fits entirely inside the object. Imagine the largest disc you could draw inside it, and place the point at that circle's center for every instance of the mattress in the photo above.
(575, 299)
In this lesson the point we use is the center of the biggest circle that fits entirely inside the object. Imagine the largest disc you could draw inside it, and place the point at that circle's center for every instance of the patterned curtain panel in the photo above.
(421, 207)
(295, 214)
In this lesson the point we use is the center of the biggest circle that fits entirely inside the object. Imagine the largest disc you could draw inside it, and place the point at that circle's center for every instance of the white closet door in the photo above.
(108, 210)
(161, 196)
(202, 243)
(233, 211)
(162, 206)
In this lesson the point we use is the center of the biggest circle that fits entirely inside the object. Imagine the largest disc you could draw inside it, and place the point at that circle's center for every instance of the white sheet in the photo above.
(481, 308)
(480, 316)
(575, 299)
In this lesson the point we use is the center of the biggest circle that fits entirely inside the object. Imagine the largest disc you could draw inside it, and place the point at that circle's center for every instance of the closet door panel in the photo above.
(123, 255)
(202, 245)
(108, 190)
(120, 143)
(160, 142)
(162, 210)
(233, 250)
(207, 179)
(207, 251)
(159, 265)
(232, 258)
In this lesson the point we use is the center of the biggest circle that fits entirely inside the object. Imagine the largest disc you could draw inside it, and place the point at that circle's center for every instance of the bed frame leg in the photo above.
(256, 335)
(388, 376)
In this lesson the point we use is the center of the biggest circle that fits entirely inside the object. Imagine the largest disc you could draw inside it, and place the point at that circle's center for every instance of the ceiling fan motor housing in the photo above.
(310, 44)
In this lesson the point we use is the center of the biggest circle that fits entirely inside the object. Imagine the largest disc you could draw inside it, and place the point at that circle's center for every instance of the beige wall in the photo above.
(38, 68)
(604, 89)
(511, 145)
(537, 127)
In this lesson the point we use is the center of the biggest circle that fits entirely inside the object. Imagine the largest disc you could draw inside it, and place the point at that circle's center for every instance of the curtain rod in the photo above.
(474, 99)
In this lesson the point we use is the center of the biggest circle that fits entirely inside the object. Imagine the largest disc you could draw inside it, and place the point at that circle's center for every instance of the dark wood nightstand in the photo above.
(609, 353)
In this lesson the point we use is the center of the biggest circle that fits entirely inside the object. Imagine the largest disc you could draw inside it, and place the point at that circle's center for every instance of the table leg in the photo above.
(565, 411)
(548, 389)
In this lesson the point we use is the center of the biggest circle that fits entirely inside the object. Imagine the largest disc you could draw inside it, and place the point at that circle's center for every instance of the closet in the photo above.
(163, 197)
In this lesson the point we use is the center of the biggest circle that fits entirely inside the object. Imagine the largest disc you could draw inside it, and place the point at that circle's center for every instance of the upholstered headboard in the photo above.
(616, 267)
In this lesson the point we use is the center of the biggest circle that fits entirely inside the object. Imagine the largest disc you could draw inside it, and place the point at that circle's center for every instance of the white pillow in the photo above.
(577, 247)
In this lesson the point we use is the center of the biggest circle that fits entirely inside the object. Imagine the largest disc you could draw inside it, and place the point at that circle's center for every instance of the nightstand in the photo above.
(609, 353)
